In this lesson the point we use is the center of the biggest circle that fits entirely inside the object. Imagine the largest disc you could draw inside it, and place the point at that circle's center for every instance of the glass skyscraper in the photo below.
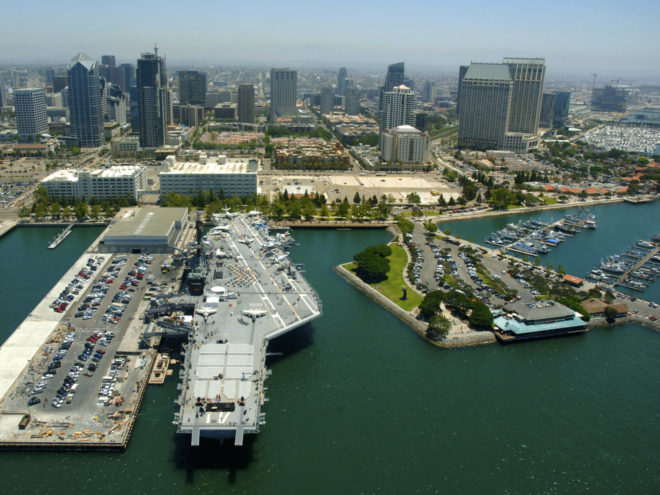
(153, 100)
(84, 99)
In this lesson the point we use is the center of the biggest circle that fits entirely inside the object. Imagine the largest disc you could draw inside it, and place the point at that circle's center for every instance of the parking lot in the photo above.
(79, 370)
(442, 259)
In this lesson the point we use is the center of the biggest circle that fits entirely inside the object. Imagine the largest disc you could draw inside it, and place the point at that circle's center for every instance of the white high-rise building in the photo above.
(283, 93)
(405, 145)
(31, 117)
(397, 109)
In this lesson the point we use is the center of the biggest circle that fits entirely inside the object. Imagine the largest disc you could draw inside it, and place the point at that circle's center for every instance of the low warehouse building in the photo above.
(148, 229)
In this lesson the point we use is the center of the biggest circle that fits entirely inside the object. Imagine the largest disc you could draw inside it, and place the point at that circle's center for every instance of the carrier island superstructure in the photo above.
(243, 292)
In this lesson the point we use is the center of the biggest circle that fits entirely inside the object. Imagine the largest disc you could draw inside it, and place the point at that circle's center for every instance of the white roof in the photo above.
(232, 166)
(408, 129)
(68, 175)
(116, 171)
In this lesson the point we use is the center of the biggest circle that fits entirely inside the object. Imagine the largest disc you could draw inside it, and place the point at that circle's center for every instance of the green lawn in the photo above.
(391, 287)
(548, 200)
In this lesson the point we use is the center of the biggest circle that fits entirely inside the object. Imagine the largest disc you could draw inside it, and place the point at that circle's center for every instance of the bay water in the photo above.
(358, 403)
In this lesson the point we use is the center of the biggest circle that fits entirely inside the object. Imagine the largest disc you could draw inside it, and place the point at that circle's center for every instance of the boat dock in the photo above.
(624, 281)
(540, 238)
(62, 235)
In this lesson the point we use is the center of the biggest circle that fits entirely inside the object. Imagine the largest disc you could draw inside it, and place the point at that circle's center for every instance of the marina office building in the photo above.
(119, 181)
(523, 321)
(224, 176)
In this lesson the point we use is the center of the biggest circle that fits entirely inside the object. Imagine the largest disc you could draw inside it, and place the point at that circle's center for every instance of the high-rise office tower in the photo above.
(283, 93)
(527, 75)
(394, 76)
(398, 106)
(108, 60)
(462, 70)
(19, 79)
(429, 92)
(547, 109)
(192, 87)
(109, 71)
(59, 83)
(50, 77)
(128, 73)
(485, 103)
(352, 99)
(116, 104)
(341, 81)
(104, 98)
(153, 100)
(31, 118)
(327, 100)
(562, 104)
(246, 103)
(84, 101)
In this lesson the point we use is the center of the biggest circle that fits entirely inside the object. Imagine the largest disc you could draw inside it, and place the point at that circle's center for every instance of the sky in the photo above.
(576, 37)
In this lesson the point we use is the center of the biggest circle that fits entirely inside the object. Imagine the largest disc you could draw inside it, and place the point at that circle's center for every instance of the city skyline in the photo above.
(573, 38)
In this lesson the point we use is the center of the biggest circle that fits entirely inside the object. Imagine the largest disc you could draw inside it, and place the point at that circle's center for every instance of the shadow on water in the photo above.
(212, 455)
(290, 343)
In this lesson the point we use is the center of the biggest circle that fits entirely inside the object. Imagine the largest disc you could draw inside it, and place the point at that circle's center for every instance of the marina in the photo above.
(636, 268)
(534, 237)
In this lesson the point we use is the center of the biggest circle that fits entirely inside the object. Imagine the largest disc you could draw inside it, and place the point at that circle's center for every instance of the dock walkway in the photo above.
(62, 235)
(622, 279)
(509, 247)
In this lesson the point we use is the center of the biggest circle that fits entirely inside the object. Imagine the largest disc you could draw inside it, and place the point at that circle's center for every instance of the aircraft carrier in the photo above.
(243, 291)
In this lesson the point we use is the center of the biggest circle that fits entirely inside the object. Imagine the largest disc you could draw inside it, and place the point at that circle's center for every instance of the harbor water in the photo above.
(618, 227)
(361, 404)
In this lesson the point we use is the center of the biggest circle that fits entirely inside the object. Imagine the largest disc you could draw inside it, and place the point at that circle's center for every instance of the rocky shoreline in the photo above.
(459, 336)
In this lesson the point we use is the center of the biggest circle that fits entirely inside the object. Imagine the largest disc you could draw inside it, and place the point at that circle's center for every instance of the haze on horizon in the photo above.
(575, 38)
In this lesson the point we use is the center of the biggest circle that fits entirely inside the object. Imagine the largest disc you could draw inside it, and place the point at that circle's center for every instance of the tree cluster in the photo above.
(43, 206)
(373, 263)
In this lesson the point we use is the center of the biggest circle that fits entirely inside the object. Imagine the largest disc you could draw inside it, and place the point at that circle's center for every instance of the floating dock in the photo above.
(61, 236)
